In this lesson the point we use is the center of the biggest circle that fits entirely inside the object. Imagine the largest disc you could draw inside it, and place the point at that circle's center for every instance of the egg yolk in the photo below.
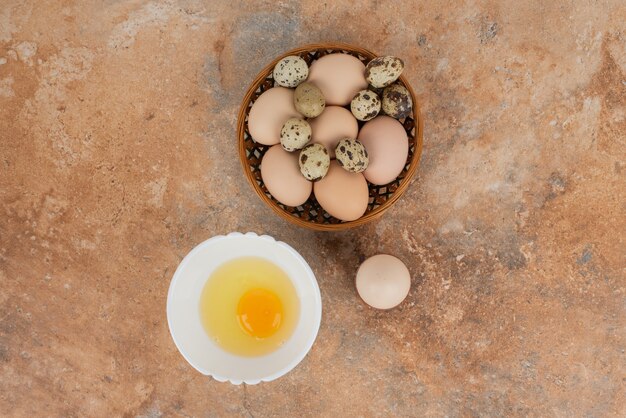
(259, 313)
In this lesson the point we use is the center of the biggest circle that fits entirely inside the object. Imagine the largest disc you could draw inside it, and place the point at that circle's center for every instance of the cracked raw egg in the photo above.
(249, 306)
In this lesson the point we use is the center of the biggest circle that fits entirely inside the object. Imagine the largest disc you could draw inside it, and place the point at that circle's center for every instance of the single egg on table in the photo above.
(334, 124)
(281, 175)
(342, 194)
(397, 101)
(365, 105)
(387, 146)
(295, 134)
(382, 71)
(339, 76)
(383, 281)
(290, 71)
(308, 100)
(352, 155)
(269, 113)
(314, 162)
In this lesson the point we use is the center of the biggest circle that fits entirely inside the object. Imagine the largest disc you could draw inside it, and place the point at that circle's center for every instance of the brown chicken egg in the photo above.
(383, 281)
(280, 172)
(342, 194)
(339, 76)
(334, 124)
(387, 146)
(269, 113)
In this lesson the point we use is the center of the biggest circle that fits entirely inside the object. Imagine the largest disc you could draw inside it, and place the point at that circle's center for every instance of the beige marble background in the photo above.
(117, 156)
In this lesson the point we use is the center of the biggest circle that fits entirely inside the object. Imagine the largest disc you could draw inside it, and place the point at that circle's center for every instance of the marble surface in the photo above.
(118, 155)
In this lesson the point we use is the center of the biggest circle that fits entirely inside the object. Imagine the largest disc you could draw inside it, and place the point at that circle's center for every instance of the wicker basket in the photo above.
(310, 214)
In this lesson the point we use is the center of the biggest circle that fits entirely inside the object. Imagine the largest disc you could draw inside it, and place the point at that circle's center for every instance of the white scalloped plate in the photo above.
(183, 315)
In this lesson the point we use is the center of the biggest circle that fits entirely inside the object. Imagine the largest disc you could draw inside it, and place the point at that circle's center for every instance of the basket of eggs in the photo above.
(330, 135)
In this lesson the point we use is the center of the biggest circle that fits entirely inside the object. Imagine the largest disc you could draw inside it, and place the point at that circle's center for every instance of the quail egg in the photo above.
(314, 162)
(295, 134)
(309, 100)
(365, 105)
(352, 155)
(397, 101)
(382, 71)
(290, 71)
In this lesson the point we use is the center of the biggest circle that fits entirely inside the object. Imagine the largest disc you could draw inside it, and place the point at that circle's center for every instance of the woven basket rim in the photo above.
(368, 216)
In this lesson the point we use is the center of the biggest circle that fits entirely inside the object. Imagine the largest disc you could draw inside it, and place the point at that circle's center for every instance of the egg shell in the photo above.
(281, 175)
(339, 76)
(269, 113)
(342, 194)
(397, 101)
(308, 100)
(365, 105)
(334, 124)
(387, 145)
(290, 71)
(295, 134)
(382, 71)
(383, 281)
(314, 162)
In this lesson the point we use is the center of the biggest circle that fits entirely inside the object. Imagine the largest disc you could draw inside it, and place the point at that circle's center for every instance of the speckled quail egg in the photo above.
(309, 100)
(352, 155)
(290, 71)
(365, 105)
(397, 101)
(314, 162)
(295, 134)
(382, 71)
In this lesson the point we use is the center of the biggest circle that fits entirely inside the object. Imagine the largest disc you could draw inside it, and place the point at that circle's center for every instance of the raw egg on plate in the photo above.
(249, 307)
